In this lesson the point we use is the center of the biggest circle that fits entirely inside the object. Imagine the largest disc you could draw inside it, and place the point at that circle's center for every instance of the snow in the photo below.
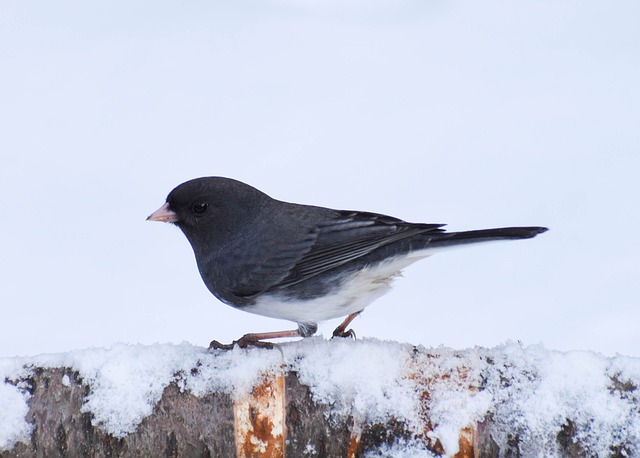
(368, 383)
(547, 388)
(13, 411)
(128, 380)
(530, 392)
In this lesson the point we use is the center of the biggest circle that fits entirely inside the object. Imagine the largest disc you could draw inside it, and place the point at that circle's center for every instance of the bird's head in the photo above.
(210, 209)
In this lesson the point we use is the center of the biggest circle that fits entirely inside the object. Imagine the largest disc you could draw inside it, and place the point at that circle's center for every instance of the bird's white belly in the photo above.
(355, 293)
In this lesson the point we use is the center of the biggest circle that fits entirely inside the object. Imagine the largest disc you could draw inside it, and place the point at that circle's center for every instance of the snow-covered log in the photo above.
(339, 398)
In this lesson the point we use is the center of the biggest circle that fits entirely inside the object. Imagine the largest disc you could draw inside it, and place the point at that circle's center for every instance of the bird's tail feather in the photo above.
(445, 239)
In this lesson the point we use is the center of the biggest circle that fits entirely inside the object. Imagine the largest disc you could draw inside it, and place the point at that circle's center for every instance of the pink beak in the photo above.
(163, 214)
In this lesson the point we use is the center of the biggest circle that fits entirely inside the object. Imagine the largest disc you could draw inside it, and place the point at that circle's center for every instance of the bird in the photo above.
(296, 262)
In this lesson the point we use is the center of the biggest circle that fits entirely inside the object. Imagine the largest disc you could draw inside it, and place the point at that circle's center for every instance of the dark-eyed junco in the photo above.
(299, 262)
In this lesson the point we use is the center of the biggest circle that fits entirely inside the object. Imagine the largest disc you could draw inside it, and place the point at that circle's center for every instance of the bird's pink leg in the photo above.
(255, 340)
(341, 331)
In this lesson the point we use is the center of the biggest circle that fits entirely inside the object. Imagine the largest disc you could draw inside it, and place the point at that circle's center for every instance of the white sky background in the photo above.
(475, 114)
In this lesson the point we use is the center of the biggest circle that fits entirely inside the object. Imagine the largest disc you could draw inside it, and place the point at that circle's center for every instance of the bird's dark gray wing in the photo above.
(327, 245)
(353, 235)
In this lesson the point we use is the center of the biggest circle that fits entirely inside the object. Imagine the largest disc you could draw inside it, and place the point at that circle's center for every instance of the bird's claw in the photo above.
(215, 345)
(242, 342)
(348, 333)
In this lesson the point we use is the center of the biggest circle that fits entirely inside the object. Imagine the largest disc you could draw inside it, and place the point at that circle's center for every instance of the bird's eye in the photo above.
(200, 207)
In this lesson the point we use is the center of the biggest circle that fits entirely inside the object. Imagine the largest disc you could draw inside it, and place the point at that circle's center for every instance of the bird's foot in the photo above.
(254, 340)
(348, 333)
(215, 345)
(342, 331)
(242, 342)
